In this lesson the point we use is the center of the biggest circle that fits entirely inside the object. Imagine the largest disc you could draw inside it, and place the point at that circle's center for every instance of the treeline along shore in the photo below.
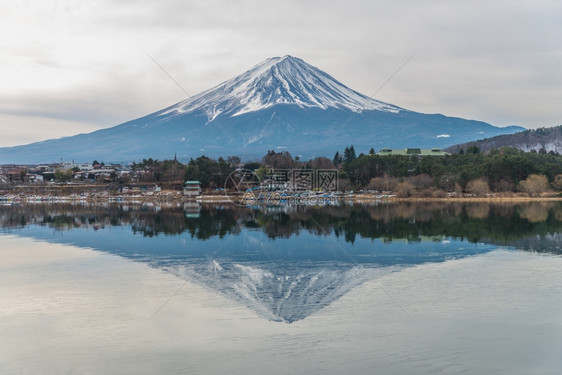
(505, 173)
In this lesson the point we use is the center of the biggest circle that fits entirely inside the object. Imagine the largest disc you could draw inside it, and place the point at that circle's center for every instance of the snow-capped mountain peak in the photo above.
(281, 103)
(278, 80)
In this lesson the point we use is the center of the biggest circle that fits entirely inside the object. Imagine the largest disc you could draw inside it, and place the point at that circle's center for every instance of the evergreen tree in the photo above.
(473, 149)
(349, 155)
(337, 158)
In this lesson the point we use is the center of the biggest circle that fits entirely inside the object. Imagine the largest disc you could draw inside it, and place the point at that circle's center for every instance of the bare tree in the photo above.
(281, 160)
(383, 183)
(174, 174)
(478, 187)
(233, 161)
(557, 183)
(503, 185)
(146, 176)
(421, 181)
(534, 184)
(321, 162)
(405, 189)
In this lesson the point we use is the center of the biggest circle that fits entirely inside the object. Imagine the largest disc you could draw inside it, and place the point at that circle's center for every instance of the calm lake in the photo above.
(401, 288)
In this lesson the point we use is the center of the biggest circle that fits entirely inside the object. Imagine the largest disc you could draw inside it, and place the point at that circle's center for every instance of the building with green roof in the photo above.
(192, 188)
(412, 152)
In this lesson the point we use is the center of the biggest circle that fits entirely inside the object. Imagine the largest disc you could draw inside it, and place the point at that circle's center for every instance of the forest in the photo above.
(499, 171)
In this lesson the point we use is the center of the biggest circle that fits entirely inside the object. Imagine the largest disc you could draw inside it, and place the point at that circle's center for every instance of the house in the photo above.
(84, 167)
(192, 188)
(35, 178)
(80, 166)
(412, 152)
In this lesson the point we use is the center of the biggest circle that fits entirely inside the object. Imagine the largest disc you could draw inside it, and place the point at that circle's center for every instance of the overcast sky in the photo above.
(69, 67)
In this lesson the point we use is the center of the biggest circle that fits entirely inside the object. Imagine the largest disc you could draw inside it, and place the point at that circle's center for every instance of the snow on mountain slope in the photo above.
(547, 139)
(281, 103)
(278, 80)
(280, 292)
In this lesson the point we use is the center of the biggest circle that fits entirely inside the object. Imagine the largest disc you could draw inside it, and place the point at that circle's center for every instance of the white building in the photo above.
(192, 188)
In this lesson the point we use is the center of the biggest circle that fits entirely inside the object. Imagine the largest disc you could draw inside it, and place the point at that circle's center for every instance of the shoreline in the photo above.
(471, 199)
(175, 196)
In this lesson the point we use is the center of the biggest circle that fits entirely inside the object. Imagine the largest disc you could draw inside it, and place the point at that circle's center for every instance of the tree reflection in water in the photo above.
(287, 262)
(497, 223)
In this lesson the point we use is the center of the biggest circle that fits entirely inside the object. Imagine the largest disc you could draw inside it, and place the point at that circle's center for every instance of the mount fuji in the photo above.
(282, 103)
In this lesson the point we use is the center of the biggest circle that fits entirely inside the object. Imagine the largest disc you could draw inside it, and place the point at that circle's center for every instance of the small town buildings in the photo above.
(192, 188)
(412, 152)
(76, 166)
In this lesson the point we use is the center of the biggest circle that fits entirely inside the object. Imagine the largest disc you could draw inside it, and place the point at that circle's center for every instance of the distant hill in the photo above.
(282, 103)
(547, 139)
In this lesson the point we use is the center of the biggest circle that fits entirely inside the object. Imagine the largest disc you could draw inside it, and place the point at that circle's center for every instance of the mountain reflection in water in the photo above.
(286, 263)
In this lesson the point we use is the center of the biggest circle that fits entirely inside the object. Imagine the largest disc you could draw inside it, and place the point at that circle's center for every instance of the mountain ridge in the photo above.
(539, 140)
(281, 103)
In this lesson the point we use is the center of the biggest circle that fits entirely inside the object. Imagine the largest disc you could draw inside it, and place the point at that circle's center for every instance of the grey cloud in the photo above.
(493, 61)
